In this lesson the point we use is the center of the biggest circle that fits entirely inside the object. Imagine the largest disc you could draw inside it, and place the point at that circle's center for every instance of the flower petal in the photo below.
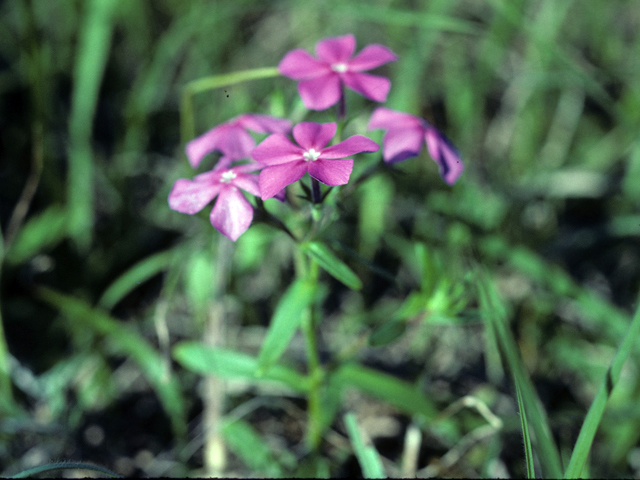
(299, 65)
(331, 172)
(314, 135)
(336, 49)
(190, 197)
(276, 149)
(399, 144)
(371, 86)
(350, 146)
(232, 213)
(444, 154)
(231, 140)
(273, 179)
(248, 183)
(371, 56)
(321, 92)
(386, 118)
(264, 123)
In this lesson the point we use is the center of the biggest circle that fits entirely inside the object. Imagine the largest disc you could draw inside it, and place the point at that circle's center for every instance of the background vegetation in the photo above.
(100, 279)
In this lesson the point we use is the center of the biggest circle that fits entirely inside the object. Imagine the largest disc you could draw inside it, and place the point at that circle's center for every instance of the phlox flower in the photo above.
(232, 213)
(286, 162)
(405, 135)
(321, 79)
(232, 139)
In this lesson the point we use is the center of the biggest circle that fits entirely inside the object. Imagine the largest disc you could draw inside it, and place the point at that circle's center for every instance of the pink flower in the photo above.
(232, 213)
(286, 162)
(232, 139)
(322, 78)
(404, 137)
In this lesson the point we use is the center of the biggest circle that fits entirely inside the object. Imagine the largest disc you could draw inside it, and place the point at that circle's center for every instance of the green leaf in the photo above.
(528, 453)
(332, 264)
(387, 332)
(39, 233)
(252, 449)
(495, 315)
(129, 280)
(206, 360)
(130, 343)
(588, 431)
(401, 394)
(366, 453)
(286, 319)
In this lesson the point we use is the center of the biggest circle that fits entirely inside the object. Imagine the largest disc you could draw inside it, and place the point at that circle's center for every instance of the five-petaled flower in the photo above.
(321, 79)
(286, 162)
(232, 213)
(232, 139)
(404, 137)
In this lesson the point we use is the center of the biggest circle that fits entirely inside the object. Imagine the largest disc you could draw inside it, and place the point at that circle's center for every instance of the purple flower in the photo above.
(322, 78)
(404, 137)
(232, 213)
(286, 162)
(232, 139)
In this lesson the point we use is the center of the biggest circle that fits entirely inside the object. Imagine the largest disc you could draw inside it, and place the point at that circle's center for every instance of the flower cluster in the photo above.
(266, 169)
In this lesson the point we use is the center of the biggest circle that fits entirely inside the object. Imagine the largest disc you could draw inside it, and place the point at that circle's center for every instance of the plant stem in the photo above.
(315, 371)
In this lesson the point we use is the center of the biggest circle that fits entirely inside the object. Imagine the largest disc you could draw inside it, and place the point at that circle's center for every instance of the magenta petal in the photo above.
(336, 49)
(314, 135)
(371, 56)
(399, 144)
(248, 183)
(350, 146)
(273, 179)
(264, 123)
(445, 155)
(231, 140)
(385, 118)
(321, 92)
(331, 172)
(299, 64)
(190, 197)
(371, 86)
(232, 213)
(200, 146)
(276, 149)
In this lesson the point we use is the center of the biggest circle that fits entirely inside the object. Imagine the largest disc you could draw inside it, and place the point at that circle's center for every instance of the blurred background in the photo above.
(541, 97)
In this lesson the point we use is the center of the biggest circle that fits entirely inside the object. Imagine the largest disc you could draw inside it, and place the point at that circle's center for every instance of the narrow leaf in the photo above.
(130, 343)
(587, 433)
(495, 315)
(366, 453)
(285, 322)
(129, 280)
(244, 441)
(39, 233)
(528, 453)
(401, 394)
(332, 264)
(206, 360)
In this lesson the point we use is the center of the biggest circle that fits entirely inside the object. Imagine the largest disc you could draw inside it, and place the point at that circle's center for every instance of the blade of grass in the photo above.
(94, 44)
(528, 453)
(587, 433)
(496, 318)
(130, 343)
(366, 453)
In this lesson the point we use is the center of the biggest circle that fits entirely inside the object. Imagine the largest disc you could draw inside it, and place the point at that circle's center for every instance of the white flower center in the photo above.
(227, 176)
(339, 67)
(311, 155)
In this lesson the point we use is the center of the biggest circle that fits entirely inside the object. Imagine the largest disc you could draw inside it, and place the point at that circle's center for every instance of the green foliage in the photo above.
(528, 265)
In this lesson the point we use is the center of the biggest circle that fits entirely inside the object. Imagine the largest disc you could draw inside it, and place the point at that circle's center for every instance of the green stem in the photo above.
(316, 373)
